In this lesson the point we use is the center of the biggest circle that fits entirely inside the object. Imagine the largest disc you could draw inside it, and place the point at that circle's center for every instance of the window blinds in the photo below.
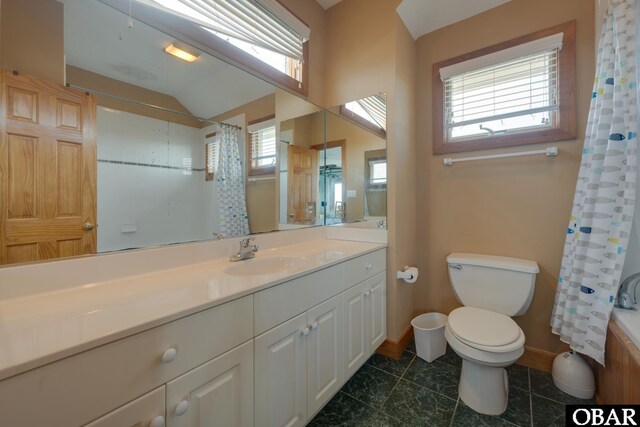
(376, 107)
(514, 82)
(372, 108)
(263, 145)
(378, 172)
(263, 23)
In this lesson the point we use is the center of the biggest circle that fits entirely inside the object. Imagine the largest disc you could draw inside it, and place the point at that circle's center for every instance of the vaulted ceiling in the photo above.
(424, 16)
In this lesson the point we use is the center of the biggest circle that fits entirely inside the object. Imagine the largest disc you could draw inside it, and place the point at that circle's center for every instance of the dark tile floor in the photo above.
(412, 392)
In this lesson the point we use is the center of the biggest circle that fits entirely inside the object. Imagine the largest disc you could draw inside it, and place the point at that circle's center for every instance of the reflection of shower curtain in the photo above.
(603, 206)
(232, 206)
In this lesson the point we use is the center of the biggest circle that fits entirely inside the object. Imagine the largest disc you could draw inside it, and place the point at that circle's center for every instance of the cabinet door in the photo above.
(217, 393)
(147, 410)
(354, 341)
(324, 355)
(376, 310)
(281, 375)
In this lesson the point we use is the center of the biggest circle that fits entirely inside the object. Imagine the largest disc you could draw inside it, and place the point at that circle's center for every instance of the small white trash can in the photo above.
(428, 330)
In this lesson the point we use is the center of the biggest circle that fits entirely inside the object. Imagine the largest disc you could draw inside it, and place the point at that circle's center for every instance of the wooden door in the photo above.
(216, 394)
(355, 343)
(303, 184)
(324, 353)
(281, 375)
(47, 170)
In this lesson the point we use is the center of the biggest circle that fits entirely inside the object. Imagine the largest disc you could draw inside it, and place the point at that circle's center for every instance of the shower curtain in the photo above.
(604, 201)
(232, 206)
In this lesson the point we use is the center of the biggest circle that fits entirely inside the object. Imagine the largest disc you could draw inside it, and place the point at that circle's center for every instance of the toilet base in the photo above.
(485, 389)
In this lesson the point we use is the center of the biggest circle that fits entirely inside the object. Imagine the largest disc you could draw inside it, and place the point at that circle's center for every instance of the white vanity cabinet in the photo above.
(302, 362)
(147, 411)
(218, 393)
(81, 388)
(299, 366)
(281, 374)
(364, 326)
(271, 358)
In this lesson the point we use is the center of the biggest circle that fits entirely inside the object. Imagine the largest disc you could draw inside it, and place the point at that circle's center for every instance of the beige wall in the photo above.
(515, 207)
(369, 50)
(33, 43)
(402, 165)
(360, 51)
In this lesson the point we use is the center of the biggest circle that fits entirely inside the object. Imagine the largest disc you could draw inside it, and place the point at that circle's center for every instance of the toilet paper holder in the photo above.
(408, 274)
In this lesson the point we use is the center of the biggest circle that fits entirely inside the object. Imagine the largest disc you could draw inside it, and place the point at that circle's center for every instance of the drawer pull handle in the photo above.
(157, 421)
(314, 326)
(306, 331)
(367, 292)
(369, 266)
(181, 407)
(169, 355)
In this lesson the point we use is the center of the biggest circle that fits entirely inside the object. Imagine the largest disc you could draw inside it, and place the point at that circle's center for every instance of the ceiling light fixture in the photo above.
(182, 51)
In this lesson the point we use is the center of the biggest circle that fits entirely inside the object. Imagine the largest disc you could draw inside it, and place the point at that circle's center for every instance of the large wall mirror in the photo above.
(184, 150)
(354, 176)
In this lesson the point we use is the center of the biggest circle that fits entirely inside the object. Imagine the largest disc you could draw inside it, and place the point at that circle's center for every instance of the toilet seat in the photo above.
(485, 330)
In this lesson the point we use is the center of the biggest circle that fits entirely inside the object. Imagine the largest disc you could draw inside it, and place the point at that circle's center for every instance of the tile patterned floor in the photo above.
(412, 392)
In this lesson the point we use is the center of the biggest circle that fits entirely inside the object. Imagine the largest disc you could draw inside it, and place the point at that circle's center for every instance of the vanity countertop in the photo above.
(42, 328)
(629, 322)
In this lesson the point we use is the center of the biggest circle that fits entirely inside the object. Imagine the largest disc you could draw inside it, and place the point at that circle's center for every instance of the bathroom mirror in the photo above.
(162, 126)
(354, 177)
(301, 161)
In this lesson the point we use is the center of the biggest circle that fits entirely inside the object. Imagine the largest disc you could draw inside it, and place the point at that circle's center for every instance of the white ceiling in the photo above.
(97, 39)
(424, 16)
(328, 3)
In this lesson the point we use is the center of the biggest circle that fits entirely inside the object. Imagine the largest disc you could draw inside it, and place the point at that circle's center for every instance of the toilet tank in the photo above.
(501, 284)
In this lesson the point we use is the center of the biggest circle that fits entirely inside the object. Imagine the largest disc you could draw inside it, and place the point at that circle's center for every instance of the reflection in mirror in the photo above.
(301, 143)
(166, 150)
(355, 174)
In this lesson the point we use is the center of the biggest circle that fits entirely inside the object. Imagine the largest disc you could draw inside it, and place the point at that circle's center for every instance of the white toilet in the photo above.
(482, 333)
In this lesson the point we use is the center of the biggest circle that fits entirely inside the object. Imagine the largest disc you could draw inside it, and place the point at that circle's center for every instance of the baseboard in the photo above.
(532, 358)
(394, 349)
(537, 359)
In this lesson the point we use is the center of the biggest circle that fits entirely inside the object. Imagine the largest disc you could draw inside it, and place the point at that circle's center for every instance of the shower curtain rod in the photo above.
(157, 107)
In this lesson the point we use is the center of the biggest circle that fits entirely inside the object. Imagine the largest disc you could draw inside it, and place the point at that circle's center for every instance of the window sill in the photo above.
(506, 140)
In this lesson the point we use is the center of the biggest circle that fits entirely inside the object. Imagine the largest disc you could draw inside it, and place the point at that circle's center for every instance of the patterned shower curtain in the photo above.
(232, 206)
(604, 202)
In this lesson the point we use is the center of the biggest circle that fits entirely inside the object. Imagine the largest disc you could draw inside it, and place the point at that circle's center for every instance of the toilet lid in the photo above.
(483, 327)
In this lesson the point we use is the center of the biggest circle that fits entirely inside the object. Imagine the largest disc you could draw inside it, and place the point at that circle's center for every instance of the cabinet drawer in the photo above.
(81, 388)
(141, 412)
(282, 302)
(361, 268)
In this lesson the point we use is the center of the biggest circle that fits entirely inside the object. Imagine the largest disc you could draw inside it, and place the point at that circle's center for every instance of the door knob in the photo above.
(88, 226)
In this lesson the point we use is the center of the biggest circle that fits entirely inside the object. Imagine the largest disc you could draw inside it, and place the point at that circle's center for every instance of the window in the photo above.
(211, 152)
(518, 92)
(262, 146)
(262, 30)
(377, 172)
(369, 112)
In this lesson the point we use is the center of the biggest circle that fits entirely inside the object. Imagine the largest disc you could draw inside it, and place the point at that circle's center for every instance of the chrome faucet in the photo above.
(625, 298)
(247, 250)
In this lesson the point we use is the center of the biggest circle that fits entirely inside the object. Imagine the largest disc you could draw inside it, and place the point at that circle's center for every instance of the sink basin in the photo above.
(269, 265)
